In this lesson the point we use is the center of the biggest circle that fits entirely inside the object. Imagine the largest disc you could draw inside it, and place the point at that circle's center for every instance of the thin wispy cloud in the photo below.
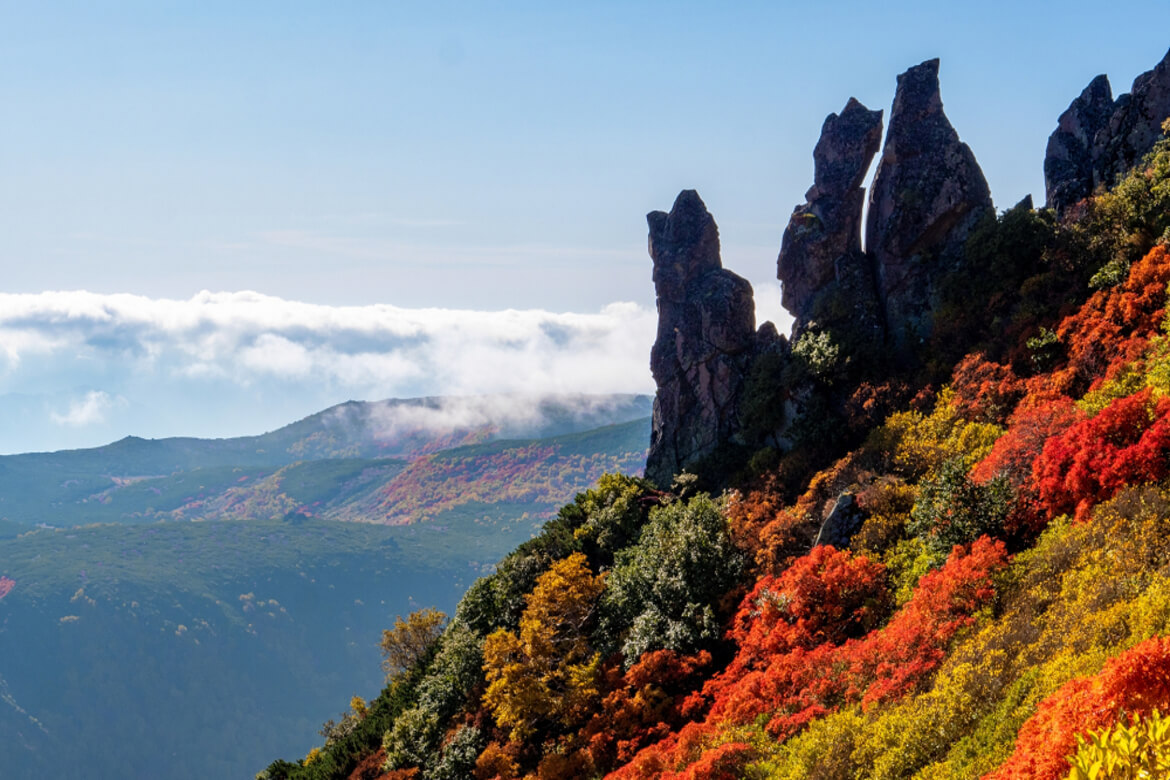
(90, 409)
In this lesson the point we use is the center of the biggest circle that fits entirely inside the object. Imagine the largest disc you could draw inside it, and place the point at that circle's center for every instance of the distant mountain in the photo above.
(132, 638)
(135, 479)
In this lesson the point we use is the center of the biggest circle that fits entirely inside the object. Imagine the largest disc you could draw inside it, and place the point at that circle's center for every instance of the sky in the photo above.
(219, 217)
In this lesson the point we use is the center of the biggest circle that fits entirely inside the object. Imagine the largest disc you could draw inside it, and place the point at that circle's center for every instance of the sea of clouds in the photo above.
(80, 368)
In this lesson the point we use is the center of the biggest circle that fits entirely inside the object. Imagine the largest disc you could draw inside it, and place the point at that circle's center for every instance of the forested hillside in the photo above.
(189, 608)
(946, 559)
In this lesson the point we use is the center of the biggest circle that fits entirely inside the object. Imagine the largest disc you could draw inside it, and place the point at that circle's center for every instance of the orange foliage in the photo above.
(642, 706)
(1114, 325)
(400, 774)
(985, 391)
(498, 762)
(870, 404)
(797, 683)
(1137, 681)
(768, 533)
(370, 768)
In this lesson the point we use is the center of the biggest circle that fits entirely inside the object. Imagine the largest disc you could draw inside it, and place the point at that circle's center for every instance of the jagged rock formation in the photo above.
(706, 341)
(824, 273)
(1068, 161)
(1135, 126)
(1099, 139)
(927, 194)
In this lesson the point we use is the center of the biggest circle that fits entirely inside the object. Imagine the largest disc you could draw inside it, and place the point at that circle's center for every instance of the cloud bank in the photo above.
(107, 359)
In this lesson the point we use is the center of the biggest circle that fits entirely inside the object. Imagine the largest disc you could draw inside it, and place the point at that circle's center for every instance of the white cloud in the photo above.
(375, 351)
(90, 409)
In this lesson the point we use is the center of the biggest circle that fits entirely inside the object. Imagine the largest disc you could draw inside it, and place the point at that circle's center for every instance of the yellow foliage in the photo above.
(1121, 752)
(405, 644)
(1081, 595)
(915, 445)
(548, 673)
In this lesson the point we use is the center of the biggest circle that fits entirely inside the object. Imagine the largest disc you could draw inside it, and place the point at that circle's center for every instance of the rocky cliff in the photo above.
(871, 309)
(927, 194)
(827, 280)
(1098, 139)
(706, 343)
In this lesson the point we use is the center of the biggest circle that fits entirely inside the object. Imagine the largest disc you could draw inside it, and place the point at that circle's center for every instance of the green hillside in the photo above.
(157, 602)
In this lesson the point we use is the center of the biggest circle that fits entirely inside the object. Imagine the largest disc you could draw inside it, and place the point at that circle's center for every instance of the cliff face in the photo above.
(874, 308)
(1069, 160)
(1098, 139)
(706, 341)
(927, 194)
(820, 260)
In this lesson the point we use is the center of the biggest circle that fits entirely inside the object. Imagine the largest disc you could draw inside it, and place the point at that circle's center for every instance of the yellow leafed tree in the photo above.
(548, 674)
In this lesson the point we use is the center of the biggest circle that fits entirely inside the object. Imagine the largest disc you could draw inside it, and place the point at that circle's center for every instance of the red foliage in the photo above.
(1114, 325)
(797, 683)
(1029, 427)
(985, 391)
(1127, 443)
(824, 597)
(1137, 681)
(723, 762)
(642, 706)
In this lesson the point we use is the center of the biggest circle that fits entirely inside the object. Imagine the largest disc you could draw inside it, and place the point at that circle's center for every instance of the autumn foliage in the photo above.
(1127, 443)
(1137, 681)
(704, 638)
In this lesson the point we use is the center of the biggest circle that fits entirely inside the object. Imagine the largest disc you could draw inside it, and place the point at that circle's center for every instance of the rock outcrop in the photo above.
(1135, 126)
(706, 340)
(1068, 161)
(927, 194)
(1099, 139)
(824, 274)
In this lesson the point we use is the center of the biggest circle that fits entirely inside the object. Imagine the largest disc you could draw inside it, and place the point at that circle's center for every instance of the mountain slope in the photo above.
(156, 602)
(76, 486)
(973, 585)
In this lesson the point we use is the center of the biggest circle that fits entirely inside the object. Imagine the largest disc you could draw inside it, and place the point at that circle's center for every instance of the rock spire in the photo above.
(821, 248)
(927, 194)
(706, 340)
(1098, 139)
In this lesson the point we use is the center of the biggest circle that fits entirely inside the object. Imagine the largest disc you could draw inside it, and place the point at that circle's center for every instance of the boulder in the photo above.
(844, 520)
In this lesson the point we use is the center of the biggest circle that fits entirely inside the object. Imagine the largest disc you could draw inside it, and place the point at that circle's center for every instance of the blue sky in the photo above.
(448, 156)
